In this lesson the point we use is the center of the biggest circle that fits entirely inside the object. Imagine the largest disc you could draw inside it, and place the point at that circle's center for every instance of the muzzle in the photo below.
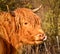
(40, 37)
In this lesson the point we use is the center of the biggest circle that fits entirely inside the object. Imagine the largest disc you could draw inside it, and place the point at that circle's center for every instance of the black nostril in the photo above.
(41, 35)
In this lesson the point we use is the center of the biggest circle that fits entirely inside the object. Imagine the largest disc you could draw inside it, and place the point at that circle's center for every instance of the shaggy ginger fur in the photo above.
(21, 27)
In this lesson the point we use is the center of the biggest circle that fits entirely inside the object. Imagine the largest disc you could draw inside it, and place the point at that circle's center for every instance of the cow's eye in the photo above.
(25, 23)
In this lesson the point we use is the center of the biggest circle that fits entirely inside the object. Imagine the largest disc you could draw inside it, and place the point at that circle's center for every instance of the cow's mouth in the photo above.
(39, 39)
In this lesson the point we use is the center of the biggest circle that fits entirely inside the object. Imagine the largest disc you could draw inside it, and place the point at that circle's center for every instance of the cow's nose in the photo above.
(42, 37)
(39, 37)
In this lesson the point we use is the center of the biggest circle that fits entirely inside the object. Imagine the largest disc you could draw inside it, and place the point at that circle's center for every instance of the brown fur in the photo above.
(21, 27)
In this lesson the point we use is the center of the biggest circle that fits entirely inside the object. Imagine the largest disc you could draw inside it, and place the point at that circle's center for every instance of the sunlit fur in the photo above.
(21, 27)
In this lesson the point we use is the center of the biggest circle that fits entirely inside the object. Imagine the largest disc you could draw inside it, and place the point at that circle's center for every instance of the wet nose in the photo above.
(42, 34)
(42, 37)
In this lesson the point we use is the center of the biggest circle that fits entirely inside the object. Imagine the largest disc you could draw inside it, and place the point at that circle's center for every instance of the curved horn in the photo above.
(34, 10)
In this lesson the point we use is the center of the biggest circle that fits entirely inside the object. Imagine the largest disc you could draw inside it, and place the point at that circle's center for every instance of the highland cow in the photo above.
(19, 27)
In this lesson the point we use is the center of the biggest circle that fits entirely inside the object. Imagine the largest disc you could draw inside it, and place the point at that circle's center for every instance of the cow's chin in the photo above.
(28, 43)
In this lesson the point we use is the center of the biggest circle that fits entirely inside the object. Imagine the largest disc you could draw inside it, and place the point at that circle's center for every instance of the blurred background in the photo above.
(50, 15)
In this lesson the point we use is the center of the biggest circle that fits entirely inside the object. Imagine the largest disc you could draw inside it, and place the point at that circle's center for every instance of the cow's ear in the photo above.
(12, 13)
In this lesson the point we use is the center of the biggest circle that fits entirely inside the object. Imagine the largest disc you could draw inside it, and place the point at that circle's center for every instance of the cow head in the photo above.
(28, 26)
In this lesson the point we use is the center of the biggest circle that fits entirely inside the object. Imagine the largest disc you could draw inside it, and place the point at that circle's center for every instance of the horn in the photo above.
(36, 9)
